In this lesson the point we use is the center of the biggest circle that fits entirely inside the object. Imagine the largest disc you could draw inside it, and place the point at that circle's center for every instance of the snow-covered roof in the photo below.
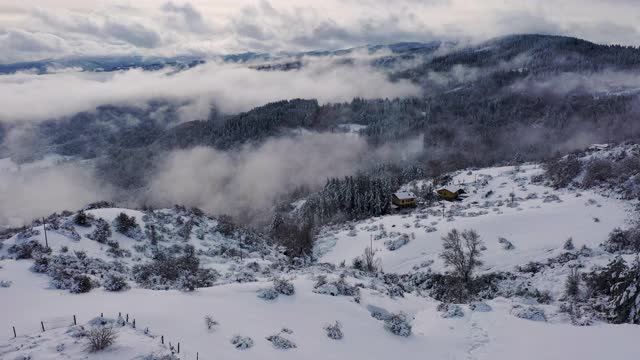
(404, 195)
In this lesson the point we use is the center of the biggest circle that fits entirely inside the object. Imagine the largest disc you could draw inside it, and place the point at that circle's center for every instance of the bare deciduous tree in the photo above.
(461, 251)
(371, 264)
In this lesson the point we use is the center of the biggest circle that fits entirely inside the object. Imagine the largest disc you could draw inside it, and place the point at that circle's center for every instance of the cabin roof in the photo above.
(404, 195)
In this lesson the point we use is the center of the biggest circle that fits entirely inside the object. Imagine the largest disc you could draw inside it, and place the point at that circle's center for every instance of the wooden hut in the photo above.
(404, 199)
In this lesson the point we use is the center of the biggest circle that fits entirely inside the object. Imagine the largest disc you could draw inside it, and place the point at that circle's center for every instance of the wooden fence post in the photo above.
(178, 348)
(162, 339)
(42, 324)
(127, 318)
(197, 356)
(74, 320)
(134, 323)
(101, 314)
(14, 332)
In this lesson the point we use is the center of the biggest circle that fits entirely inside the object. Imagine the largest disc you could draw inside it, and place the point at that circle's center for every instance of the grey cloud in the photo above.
(185, 17)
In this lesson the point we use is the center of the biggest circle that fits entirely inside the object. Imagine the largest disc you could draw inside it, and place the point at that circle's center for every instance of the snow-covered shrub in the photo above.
(100, 338)
(267, 294)
(242, 342)
(531, 267)
(572, 284)
(27, 233)
(450, 310)
(67, 229)
(284, 287)
(506, 244)
(618, 285)
(210, 322)
(80, 284)
(396, 244)
(281, 342)
(378, 312)
(178, 272)
(532, 313)
(626, 241)
(398, 324)
(76, 331)
(541, 296)
(334, 331)
(128, 226)
(568, 245)
(551, 198)
(102, 232)
(393, 285)
(480, 307)
(598, 171)
(561, 172)
(27, 249)
(115, 282)
(83, 219)
(5, 283)
(335, 288)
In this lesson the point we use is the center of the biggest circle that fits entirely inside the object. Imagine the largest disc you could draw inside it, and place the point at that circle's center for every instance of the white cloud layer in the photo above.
(37, 29)
(231, 88)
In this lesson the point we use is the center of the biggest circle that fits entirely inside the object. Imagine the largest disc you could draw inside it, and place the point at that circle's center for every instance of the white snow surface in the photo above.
(537, 229)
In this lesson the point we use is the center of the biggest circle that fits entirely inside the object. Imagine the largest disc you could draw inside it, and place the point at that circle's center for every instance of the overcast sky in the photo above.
(36, 29)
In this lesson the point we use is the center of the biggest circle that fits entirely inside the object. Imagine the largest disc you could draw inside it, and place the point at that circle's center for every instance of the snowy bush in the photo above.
(378, 312)
(396, 244)
(335, 288)
(450, 311)
(170, 271)
(102, 231)
(551, 198)
(114, 282)
(267, 294)
(479, 307)
(532, 313)
(626, 241)
(242, 342)
(83, 219)
(210, 322)
(398, 324)
(281, 342)
(27, 249)
(561, 172)
(506, 244)
(67, 229)
(334, 331)
(618, 286)
(100, 338)
(284, 287)
(568, 245)
(80, 284)
(27, 233)
(5, 283)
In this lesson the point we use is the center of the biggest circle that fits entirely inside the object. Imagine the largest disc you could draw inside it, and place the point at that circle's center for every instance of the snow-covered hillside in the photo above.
(520, 315)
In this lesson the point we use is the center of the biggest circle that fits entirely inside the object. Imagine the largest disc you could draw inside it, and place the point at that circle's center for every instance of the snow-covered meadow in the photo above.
(502, 203)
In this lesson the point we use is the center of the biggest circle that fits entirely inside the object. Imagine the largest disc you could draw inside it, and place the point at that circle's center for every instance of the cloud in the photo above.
(231, 88)
(206, 27)
(247, 183)
(43, 188)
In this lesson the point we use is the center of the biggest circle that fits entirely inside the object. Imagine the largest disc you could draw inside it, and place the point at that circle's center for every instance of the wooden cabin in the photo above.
(404, 199)
(448, 195)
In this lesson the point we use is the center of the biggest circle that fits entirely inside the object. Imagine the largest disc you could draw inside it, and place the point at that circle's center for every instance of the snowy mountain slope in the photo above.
(179, 317)
(536, 225)
(535, 222)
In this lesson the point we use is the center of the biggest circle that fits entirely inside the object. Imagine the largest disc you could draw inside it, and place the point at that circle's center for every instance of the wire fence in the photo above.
(123, 319)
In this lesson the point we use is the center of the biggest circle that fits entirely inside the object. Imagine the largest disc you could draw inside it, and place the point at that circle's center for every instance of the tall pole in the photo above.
(44, 226)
